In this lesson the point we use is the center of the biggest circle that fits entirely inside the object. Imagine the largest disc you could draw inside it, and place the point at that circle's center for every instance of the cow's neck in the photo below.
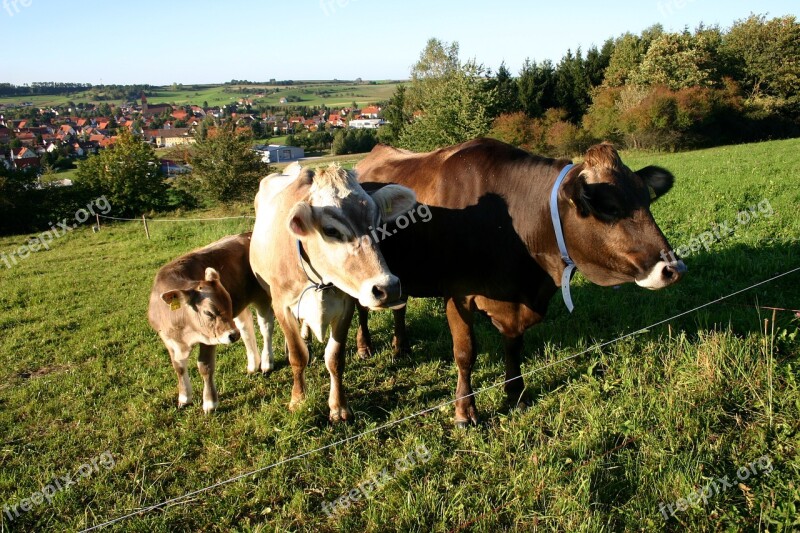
(536, 228)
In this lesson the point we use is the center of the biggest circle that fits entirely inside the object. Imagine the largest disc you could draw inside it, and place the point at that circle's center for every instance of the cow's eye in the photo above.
(333, 233)
(209, 314)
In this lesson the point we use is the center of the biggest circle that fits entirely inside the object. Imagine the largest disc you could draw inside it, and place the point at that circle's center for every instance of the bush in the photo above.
(354, 141)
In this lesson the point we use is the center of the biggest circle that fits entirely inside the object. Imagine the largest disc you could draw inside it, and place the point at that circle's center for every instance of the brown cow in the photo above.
(312, 251)
(202, 298)
(490, 244)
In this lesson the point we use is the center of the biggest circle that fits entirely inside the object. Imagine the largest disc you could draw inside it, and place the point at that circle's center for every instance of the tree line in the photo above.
(654, 90)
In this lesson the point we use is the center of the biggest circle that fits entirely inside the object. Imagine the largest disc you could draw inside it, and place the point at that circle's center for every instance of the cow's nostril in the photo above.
(234, 336)
(668, 272)
(379, 293)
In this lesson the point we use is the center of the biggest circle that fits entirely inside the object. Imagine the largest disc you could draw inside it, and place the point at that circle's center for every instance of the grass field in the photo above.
(332, 94)
(612, 434)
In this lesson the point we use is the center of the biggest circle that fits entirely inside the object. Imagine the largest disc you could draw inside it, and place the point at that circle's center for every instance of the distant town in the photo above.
(61, 134)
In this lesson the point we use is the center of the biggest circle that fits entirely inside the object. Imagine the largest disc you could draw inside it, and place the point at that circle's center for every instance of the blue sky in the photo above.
(204, 41)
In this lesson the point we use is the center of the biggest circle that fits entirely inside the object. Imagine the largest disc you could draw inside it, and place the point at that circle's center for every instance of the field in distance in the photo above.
(332, 93)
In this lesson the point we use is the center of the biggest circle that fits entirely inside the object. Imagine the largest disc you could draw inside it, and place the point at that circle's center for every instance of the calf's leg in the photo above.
(206, 362)
(179, 355)
(460, 319)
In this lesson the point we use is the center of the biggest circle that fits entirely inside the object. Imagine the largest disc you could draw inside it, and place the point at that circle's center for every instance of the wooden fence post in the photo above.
(147, 231)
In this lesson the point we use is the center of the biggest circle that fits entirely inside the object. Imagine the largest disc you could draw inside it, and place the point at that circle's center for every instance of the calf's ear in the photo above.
(178, 297)
(393, 201)
(300, 220)
(658, 180)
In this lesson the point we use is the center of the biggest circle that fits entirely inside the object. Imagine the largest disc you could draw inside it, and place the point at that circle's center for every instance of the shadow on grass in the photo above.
(604, 313)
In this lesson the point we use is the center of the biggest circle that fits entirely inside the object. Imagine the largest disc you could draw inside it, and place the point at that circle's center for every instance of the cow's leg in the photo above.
(266, 323)
(334, 362)
(511, 319)
(245, 324)
(297, 353)
(363, 338)
(400, 344)
(179, 355)
(459, 317)
(206, 362)
(514, 386)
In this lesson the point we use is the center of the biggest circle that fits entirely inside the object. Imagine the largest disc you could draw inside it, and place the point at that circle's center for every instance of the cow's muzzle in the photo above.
(384, 293)
(663, 274)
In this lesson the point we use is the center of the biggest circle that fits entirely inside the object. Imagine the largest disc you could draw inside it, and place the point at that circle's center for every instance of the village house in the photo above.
(24, 157)
(166, 138)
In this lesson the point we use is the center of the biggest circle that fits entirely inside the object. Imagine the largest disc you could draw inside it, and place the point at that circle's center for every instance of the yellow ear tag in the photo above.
(653, 194)
(175, 304)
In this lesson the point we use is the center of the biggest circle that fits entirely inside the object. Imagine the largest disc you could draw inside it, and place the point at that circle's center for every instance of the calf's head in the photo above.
(208, 306)
(609, 230)
(337, 228)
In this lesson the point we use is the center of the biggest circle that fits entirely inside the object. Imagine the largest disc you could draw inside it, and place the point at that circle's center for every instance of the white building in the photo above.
(279, 153)
(366, 123)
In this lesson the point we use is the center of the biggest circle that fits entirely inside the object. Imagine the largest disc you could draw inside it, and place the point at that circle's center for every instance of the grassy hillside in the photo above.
(332, 94)
(612, 434)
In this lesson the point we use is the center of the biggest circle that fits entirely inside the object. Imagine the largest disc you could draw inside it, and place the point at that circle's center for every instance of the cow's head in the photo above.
(609, 230)
(209, 306)
(337, 228)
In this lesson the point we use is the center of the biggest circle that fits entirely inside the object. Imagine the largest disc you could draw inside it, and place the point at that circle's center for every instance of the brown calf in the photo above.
(202, 298)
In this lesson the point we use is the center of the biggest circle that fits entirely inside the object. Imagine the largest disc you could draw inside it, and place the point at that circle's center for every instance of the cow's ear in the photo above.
(211, 274)
(176, 298)
(658, 180)
(301, 220)
(393, 201)
(575, 191)
(598, 199)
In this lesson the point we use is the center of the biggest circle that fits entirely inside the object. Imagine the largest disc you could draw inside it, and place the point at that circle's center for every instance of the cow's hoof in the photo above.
(340, 415)
(209, 407)
(183, 401)
(266, 371)
(364, 353)
(464, 424)
(251, 371)
(294, 405)
(518, 404)
(401, 349)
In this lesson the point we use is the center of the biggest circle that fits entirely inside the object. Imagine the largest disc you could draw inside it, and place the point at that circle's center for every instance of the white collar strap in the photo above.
(562, 247)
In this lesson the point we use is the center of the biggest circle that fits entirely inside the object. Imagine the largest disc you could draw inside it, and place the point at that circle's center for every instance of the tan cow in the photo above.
(202, 298)
(313, 253)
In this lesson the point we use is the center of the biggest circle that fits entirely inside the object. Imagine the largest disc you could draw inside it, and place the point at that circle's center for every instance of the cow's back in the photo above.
(453, 177)
(228, 256)
(477, 238)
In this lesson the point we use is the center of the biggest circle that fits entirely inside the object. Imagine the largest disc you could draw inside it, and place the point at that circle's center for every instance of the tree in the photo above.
(506, 92)
(629, 50)
(127, 173)
(536, 84)
(765, 55)
(597, 62)
(224, 165)
(397, 117)
(437, 62)
(452, 109)
(572, 86)
(676, 60)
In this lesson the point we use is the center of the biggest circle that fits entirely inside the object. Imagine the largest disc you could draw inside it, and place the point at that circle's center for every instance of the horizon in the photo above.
(198, 44)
